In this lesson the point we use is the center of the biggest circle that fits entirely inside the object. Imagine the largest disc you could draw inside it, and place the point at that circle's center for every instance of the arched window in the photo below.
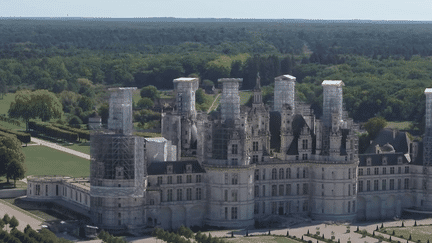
(288, 173)
(274, 172)
(281, 173)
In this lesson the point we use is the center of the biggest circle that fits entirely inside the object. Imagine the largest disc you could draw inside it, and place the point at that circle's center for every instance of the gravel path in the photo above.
(23, 219)
(60, 148)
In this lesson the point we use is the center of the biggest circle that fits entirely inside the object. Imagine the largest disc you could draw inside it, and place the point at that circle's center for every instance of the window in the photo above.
(179, 195)
(392, 170)
(169, 180)
(234, 149)
(360, 172)
(274, 208)
(399, 160)
(304, 157)
(257, 175)
(399, 184)
(159, 180)
(189, 194)
(376, 171)
(226, 179)
(305, 206)
(406, 183)
(384, 170)
(391, 184)
(57, 190)
(119, 205)
(349, 173)
(37, 192)
(46, 190)
(375, 185)
(189, 179)
(360, 186)
(384, 185)
(198, 179)
(288, 173)
(305, 144)
(304, 173)
(263, 191)
(263, 175)
(281, 190)
(234, 195)
(256, 208)
(169, 195)
(274, 189)
(384, 160)
(305, 189)
(152, 202)
(255, 146)
(399, 170)
(226, 213)
(298, 173)
(406, 169)
(99, 218)
(234, 179)
(254, 158)
(198, 194)
(179, 179)
(256, 192)
(264, 207)
(298, 189)
(281, 173)
(288, 189)
(353, 206)
(349, 190)
(368, 185)
(234, 161)
(234, 213)
(274, 174)
(349, 207)
(368, 171)
(354, 188)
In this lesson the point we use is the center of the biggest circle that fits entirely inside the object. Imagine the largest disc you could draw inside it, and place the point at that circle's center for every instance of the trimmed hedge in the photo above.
(83, 134)
(22, 136)
(52, 131)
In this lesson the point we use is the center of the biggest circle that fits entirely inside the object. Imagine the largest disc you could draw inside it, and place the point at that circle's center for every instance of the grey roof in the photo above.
(179, 167)
(399, 141)
(376, 159)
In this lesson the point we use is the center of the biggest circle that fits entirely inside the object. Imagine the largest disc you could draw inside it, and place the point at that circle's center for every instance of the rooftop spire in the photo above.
(258, 81)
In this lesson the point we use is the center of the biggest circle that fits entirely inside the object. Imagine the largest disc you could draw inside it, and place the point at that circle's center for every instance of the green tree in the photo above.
(75, 120)
(10, 156)
(6, 219)
(15, 170)
(200, 96)
(145, 103)
(2, 224)
(103, 111)
(374, 125)
(86, 103)
(13, 222)
(150, 91)
(3, 87)
(37, 104)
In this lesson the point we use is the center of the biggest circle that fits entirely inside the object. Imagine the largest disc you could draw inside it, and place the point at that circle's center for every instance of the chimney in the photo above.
(185, 95)
(428, 115)
(284, 92)
(230, 100)
(333, 100)
(120, 110)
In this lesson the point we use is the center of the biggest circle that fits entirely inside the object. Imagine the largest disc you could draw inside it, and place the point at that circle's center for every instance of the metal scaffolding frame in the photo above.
(120, 110)
(230, 99)
(333, 101)
(284, 92)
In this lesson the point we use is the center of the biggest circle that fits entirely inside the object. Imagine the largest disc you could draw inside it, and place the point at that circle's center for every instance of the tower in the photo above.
(284, 92)
(230, 100)
(333, 101)
(185, 89)
(117, 169)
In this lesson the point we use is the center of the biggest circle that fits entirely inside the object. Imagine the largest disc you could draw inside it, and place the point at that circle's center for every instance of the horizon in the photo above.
(332, 10)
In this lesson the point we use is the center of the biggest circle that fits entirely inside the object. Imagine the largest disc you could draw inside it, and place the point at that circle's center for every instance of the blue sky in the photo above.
(259, 9)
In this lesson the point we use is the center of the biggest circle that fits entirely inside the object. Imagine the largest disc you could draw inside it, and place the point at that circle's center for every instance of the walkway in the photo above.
(23, 219)
(60, 148)
(211, 107)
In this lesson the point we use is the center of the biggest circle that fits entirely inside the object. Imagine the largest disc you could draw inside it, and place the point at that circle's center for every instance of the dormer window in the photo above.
(384, 160)
(169, 169)
(189, 168)
(368, 161)
(399, 160)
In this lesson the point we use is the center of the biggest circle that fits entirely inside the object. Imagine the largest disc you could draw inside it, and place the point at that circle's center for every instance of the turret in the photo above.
(333, 101)
(284, 92)
(230, 100)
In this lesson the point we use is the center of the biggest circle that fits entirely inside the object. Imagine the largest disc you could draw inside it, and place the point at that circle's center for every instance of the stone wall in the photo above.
(10, 193)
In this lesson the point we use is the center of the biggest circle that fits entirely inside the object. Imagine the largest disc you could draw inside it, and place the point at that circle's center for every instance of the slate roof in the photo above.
(400, 142)
(179, 167)
(377, 159)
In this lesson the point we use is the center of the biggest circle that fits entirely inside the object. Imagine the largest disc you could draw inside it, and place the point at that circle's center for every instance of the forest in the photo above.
(385, 67)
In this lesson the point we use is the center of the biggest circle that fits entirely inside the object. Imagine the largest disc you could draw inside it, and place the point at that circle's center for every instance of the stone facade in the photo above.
(243, 164)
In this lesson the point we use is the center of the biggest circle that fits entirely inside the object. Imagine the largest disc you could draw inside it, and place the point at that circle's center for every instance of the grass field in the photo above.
(10, 185)
(404, 125)
(5, 102)
(259, 239)
(417, 233)
(80, 147)
(244, 96)
(41, 160)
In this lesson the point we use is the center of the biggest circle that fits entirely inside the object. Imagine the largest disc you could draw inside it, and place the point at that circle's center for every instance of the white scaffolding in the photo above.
(333, 101)
(284, 92)
(230, 100)
(185, 89)
(120, 110)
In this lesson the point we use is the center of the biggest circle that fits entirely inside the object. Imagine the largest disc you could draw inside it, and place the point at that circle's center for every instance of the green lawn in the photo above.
(10, 185)
(41, 160)
(80, 147)
(401, 125)
(259, 239)
(244, 96)
(5, 102)
(422, 233)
